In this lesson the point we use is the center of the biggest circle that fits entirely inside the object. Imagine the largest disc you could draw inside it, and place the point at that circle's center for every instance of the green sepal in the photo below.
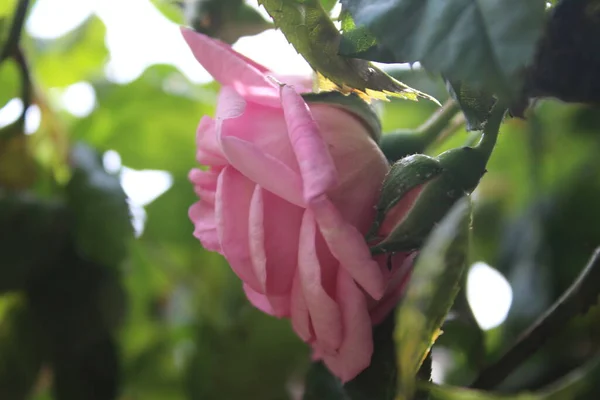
(352, 104)
(405, 175)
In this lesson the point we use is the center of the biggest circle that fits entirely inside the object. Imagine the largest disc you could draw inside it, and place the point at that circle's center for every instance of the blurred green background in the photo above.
(103, 296)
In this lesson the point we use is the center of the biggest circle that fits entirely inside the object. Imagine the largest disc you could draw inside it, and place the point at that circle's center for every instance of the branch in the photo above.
(14, 36)
(582, 295)
(19, 58)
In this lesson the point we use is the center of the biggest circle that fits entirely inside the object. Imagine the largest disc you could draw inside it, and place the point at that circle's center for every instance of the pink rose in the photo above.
(287, 196)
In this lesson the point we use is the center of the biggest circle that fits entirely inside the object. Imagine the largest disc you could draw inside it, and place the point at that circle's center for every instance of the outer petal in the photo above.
(208, 148)
(234, 193)
(277, 306)
(348, 246)
(324, 312)
(316, 165)
(231, 68)
(202, 215)
(274, 232)
(299, 311)
(357, 347)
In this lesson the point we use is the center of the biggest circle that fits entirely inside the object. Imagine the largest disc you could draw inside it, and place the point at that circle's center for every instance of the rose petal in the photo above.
(274, 234)
(324, 312)
(299, 311)
(316, 165)
(355, 353)
(208, 148)
(277, 306)
(234, 193)
(396, 286)
(349, 247)
(266, 170)
(231, 68)
(202, 215)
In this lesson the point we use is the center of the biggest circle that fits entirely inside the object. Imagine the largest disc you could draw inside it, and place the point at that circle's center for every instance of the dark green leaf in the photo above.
(484, 44)
(102, 228)
(359, 42)
(20, 354)
(430, 293)
(474, 103)
(454, 393)
(32, 235)
(227, 20)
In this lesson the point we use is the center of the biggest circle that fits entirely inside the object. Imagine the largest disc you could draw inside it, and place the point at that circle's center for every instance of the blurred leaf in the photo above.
(224, 365)
(99, 207)
(328, 4)
(475, 104)
(7, 7)
(172, 9)
(568, 56)
(148, 127)
(9, 81)
(227, 20)
(82, 50)
(310, 30)
(454, 393)
(20, 354)
(32, 235)
(430, 293)
(483, 44)
(17, 167)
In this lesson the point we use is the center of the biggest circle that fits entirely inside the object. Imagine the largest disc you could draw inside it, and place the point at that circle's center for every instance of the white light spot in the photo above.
(144, 186)
(33, 119)
(271, 49)
(111, 161)
(50, 19)
(441, 362)
(489, 295)
(10, 112)
(138, 218)
(79, 99)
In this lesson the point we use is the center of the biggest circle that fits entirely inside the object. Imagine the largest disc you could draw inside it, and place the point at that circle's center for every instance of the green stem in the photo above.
(436, 124)
(580, 296)
(491, 129)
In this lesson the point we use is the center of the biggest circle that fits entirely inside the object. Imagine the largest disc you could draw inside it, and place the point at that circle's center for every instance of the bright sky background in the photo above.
(138, 36)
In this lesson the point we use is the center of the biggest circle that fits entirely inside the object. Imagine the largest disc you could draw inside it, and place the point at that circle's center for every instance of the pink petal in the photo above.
(231, 68)
(206, 179)
(208, 148)
(234, 193)
(398, 213)
(316, 165)
(349, 247)
(324, 311)
(266, 170)
(202, 215)
(355, 353)
(277, 306)
(299, 312)
(274, 234)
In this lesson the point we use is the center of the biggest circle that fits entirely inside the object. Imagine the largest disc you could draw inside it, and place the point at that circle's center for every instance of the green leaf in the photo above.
(21, 359)
(485, 44)
(170, 9)
(430, 293)
(9, 82)
(33, 232)
(454, 393)
(352, 104)
(359, 42)
(102, 228)
(474, 103)
(149, 127)
(82, 50)
(7, 7)
(310, 30)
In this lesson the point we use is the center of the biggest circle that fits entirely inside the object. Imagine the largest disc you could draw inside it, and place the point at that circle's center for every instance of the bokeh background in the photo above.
(99, 302)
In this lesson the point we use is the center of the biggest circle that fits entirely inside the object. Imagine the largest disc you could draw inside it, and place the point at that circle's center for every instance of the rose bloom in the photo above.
(286, 197)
